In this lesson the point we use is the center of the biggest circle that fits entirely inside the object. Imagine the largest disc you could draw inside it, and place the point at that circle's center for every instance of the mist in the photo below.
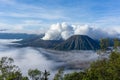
(44, 59)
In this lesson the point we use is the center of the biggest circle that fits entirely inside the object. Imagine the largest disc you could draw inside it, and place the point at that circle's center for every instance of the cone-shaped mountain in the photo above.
(78, 42)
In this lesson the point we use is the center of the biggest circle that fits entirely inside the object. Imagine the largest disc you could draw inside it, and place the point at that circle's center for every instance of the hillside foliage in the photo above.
(105, 69)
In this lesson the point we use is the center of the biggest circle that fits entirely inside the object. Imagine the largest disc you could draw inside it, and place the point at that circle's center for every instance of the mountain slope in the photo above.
(78, 42)
(38, 42)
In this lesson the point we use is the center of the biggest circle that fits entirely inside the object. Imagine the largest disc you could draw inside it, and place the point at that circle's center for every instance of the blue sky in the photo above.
(33, 15)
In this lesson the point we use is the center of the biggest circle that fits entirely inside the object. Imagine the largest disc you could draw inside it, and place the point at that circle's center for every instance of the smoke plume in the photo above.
(64, 31)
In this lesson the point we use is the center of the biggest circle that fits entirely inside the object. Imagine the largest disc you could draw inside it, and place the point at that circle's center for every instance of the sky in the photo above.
(36, 16)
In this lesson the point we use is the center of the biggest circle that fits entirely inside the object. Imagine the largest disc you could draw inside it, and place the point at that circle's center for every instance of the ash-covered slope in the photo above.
(78, 42)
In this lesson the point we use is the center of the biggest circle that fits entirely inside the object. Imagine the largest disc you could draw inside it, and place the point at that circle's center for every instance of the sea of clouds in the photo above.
(31, 58)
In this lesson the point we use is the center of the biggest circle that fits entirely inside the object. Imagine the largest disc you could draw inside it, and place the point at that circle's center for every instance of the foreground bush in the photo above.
(8, 71)
(106, 69)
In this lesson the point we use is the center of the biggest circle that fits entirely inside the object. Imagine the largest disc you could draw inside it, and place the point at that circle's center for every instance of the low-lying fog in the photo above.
(50, 60)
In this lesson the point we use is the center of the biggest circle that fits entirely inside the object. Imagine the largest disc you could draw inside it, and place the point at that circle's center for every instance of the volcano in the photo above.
(75, 42)
(78, 42)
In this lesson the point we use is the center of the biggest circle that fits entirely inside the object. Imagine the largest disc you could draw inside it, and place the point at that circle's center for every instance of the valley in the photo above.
(51, 60)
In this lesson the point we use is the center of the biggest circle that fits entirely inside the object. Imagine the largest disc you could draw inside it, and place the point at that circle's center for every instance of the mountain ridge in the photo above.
(78, 42)
(75, 42)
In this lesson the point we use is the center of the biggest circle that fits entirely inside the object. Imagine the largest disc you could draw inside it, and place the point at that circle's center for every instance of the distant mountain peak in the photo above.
(78, 42)
(75, 42)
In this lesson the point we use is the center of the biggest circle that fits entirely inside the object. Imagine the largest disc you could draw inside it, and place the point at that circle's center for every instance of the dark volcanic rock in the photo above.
(38, 42)
(78, 42)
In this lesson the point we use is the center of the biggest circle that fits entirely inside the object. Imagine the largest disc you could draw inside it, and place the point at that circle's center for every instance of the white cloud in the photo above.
(66, 34)
(58, 31)
(81, 29)
(63, 30)
(9, 26)
(27, 26)
(21, 10)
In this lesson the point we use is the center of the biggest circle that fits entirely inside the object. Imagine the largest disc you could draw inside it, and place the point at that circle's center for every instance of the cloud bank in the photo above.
(58, 31)
(27, 26)
(31, 58)
(64, 31)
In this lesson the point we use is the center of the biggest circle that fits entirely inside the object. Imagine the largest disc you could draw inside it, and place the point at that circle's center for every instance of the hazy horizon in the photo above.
(63, 17)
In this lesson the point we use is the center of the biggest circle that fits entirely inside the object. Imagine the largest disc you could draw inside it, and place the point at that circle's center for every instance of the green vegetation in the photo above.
(100, 70)
(34, 74)
(105, 69)
(8, 71)
(59, 75)
(38, 75)
(104, 44)
(116, 43)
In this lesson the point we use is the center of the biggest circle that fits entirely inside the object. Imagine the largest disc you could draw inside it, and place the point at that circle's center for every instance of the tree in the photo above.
(25, 78)
(104, 44)
(75, 76)
(59, 75)
(34, 74)
(45, 75)
(8, 70)
(116, 43)
(106, 69)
